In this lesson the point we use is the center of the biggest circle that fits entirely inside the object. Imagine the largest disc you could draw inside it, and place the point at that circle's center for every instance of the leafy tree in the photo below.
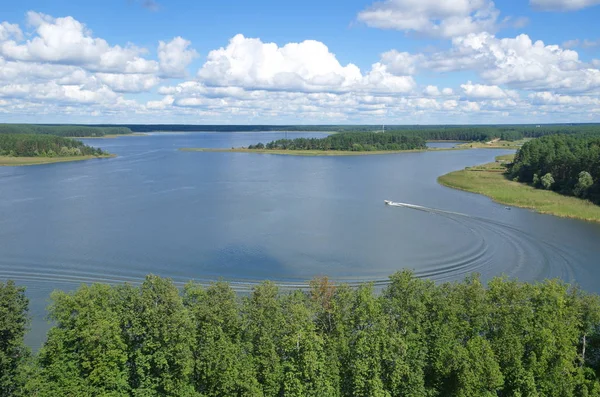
(264, 324)
(14, 321)
(584, 182)
(222, 363)
(85, 352)
(159, 334)
(547, 181)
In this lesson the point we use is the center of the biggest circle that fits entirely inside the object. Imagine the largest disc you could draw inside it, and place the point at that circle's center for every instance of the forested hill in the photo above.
(63, 130)
(37, 145)
(350, 141)
(415, 339)
(566, 164)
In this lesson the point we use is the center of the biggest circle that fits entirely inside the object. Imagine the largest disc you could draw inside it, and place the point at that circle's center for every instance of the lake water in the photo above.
(249, 217)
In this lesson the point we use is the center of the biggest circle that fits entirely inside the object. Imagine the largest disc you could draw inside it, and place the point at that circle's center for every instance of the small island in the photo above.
(33, 149)
(342, 144)
(555, 175)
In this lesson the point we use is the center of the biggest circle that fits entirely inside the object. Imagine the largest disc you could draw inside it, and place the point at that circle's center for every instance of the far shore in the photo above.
(312, 152)
(108, 136)
(20, 161)
(490, 180)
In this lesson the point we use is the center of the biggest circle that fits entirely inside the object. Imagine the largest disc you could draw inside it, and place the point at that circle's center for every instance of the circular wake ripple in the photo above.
(523, 256)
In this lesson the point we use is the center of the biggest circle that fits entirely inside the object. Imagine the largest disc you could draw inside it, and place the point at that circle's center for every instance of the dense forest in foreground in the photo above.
(415, 338)
(63, 130)
(348, 141)
(566, 164)
(38, 145)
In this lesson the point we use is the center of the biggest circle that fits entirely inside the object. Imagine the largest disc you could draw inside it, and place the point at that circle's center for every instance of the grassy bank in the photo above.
(494, 144)
(311, 152)
(15, 161)
(490, 180)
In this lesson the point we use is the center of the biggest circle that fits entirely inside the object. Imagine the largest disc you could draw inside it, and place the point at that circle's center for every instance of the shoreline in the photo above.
(490, 180)
(107, 136)
(6, 161)
(313, 153)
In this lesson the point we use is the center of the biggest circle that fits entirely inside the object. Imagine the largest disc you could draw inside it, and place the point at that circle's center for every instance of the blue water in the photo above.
(249, 217)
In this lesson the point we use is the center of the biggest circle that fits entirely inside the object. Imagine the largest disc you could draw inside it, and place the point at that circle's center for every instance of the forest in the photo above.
(39, 145)
(566, 164)
(350, 141)
(480, 133)
(414, 338)
(63, 130)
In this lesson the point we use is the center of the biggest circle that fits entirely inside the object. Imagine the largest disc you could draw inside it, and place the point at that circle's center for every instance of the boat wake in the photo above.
(523, 255)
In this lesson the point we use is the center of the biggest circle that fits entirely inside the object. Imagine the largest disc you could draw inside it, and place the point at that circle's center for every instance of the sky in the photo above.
(300, 62)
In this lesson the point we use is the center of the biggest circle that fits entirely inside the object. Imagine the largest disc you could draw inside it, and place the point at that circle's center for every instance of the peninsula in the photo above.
(33, 149)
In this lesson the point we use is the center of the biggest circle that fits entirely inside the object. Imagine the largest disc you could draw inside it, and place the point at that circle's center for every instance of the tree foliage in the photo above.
(415, 338)
(568, 165)
(351, 141)
(36, 145)
(63, 130)
(13, 325)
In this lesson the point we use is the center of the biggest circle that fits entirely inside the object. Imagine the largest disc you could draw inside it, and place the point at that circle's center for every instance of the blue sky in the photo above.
(392, 61)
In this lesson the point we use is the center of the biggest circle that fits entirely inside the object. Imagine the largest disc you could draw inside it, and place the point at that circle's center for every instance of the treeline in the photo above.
(433, 132)
(351, 141)
(63, 130)
(414, 339)
(566, 164)
(37, 145)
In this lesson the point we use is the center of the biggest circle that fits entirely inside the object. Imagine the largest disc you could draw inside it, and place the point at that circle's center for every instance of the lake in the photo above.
(249, 217)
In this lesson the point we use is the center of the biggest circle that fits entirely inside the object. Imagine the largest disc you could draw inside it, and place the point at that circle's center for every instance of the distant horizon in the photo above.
(306, 125)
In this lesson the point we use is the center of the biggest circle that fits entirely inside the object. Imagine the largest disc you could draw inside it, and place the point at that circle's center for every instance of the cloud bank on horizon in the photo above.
(55, 69)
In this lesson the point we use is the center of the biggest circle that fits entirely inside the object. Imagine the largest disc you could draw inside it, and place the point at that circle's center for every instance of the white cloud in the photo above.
(162, 104)
(448, 91)
(480, 91)
(562, 5)
(518, 62)
(549, 98)
(401, 63)
(128, 82)
(432, 90)
(432, 17)
(304, 67)
(55, 92)
(8, 31)
(67, 41)
(585, 43)
(175, 56)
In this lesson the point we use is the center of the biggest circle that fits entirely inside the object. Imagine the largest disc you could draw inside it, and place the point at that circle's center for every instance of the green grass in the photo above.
(311, 152)
(490, 180)
(494, 144)
(15, 161)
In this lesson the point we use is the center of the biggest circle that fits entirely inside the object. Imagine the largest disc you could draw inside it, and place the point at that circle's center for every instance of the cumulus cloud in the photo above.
(432, 17)
(175, 56)
(8, 31)
(67, 41)
(562, 5)
(401, 63)
(432, 90)
(308, 66)
(518, 62)
(480, 91)
(128, 82)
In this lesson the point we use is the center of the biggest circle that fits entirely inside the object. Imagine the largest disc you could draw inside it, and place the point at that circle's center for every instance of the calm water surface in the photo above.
(247, 217)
